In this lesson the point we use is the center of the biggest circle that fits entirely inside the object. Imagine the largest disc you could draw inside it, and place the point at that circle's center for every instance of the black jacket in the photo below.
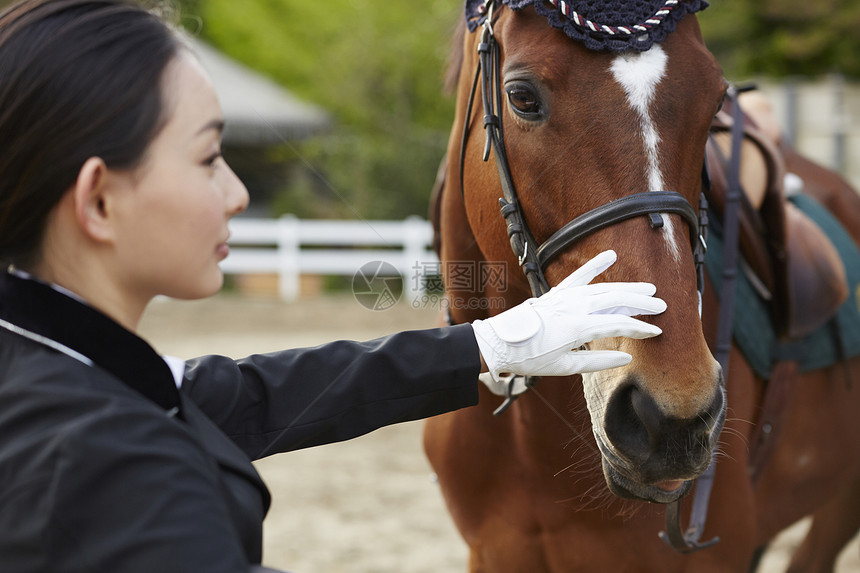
(105, 466)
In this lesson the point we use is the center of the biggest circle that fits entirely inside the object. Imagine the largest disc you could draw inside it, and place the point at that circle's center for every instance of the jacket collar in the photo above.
(43, 313)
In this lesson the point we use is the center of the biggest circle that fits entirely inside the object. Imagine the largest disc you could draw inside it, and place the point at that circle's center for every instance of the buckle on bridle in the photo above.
(487, 9)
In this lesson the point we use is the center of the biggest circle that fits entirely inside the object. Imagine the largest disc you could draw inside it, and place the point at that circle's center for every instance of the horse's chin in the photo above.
(663, 492)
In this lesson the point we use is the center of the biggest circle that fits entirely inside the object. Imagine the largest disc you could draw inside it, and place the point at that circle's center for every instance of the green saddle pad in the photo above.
(753, 330)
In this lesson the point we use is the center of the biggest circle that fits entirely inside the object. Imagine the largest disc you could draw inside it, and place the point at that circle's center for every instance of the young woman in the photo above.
(112, 191)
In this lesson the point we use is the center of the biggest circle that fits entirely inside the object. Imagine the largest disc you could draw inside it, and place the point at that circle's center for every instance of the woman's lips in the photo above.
(222, 250)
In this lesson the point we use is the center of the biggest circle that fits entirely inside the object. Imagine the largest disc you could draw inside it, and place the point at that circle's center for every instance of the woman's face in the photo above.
(173, 230)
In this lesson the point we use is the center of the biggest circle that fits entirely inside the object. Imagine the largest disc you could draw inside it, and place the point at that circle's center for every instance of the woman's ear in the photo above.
(91, 196)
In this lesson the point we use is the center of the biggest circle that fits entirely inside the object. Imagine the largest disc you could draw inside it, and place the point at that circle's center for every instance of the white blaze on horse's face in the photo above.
(639, 74)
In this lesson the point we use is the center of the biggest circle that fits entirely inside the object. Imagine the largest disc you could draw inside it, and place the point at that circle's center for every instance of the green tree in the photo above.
(377, 67)
(784, 37)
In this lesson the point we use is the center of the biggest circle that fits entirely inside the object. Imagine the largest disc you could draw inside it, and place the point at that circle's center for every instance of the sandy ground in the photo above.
(368, 505)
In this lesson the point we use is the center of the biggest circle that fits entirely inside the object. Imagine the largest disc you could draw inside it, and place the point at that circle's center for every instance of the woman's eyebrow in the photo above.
(216, 124)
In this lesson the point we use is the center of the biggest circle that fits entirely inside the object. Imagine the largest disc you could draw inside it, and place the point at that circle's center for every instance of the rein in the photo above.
(533, 258)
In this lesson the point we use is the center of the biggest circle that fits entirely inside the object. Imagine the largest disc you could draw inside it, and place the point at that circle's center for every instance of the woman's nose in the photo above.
(236, 192)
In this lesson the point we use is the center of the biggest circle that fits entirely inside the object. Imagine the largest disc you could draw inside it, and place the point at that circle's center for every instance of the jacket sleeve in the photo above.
(299, 398)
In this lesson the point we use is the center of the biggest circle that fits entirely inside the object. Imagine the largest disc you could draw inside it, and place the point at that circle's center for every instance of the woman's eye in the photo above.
(210, 161)
(524, 101)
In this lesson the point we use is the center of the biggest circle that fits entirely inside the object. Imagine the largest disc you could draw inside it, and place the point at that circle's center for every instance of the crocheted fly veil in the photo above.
(616, 25)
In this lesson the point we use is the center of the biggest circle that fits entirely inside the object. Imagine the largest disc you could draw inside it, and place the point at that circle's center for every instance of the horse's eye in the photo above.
(525, 101)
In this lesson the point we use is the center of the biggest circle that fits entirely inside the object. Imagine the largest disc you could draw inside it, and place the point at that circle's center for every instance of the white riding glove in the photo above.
(540, 336)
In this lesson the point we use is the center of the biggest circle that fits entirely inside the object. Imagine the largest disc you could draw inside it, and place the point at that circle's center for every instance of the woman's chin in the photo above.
(202, 287)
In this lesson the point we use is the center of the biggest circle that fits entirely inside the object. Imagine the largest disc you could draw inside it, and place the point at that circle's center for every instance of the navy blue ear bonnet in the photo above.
(615, 25)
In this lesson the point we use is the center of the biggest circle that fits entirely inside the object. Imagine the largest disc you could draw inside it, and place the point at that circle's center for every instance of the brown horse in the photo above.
(531, 490)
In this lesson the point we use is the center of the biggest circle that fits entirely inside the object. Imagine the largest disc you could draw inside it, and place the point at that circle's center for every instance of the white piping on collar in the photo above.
(176, 365)
(46, 341)
(60, 289)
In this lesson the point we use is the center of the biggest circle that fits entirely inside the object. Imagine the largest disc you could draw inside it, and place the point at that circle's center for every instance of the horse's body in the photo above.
(526, 489)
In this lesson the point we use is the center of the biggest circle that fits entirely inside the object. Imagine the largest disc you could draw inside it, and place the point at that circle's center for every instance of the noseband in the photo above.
(532, 257)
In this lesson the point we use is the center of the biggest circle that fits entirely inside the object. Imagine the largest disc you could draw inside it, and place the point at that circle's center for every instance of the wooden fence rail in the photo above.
(291, 247)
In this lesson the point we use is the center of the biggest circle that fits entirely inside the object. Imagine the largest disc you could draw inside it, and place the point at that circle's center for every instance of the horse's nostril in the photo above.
(631, 433)
(649, 414)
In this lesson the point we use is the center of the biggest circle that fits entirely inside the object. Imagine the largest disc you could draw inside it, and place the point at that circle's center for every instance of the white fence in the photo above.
(291, 247)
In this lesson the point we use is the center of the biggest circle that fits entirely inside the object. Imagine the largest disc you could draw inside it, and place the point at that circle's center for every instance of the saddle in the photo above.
(788, 259)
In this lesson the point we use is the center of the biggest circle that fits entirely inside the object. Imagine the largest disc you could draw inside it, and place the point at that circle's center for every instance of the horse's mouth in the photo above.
(661, 492)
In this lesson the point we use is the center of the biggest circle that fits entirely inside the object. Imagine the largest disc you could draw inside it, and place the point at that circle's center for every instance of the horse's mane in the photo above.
(455, 57)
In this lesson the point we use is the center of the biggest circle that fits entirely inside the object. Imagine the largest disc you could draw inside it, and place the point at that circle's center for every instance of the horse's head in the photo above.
(583, 128)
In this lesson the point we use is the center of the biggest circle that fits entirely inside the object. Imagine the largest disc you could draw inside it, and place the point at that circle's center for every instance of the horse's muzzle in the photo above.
(650, 456)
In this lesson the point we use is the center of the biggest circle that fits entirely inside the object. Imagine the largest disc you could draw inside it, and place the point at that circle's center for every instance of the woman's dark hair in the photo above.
(78, 79)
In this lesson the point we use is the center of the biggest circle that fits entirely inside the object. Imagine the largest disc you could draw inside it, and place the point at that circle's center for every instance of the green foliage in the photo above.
(784, 37)
(376, 67)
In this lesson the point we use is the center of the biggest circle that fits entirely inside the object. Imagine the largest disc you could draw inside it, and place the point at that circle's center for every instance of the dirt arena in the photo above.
(364, 506)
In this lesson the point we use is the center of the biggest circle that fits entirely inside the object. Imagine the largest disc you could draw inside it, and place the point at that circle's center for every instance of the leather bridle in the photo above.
(534, 258)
